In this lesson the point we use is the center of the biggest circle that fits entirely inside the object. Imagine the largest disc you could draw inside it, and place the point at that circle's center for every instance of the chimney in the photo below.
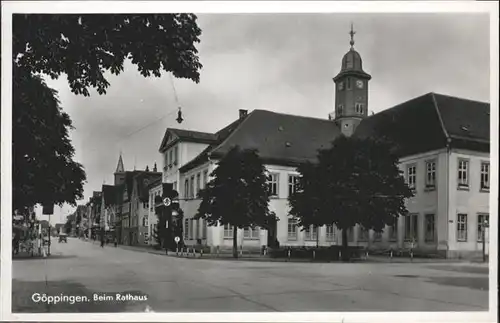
(243, 113)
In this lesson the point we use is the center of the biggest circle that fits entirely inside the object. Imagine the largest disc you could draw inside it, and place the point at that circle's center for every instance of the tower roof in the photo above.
(352, 64)
(119, 167)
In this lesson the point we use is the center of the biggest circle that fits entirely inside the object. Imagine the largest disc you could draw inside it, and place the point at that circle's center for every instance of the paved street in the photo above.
(171, 284)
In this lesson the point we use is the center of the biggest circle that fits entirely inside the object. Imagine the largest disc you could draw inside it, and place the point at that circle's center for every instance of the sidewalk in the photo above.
(258, 257)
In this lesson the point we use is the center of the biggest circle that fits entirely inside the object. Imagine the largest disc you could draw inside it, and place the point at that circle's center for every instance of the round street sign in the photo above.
(166, 201)
(177, 239)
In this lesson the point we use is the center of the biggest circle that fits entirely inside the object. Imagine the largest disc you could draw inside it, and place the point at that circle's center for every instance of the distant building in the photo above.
(155, 189)
(127, 208)
(443, 141)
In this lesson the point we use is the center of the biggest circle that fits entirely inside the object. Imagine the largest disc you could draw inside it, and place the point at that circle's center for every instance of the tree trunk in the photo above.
(317, 237)
(235, 242)
(345, 255)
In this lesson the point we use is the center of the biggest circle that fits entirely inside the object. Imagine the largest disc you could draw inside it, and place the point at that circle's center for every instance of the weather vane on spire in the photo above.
(352, 33)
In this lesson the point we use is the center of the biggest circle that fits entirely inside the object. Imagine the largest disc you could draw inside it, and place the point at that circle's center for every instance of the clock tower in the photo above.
(351, 91)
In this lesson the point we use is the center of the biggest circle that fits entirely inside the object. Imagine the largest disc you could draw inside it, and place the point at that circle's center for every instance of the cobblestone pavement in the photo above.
(171, 284)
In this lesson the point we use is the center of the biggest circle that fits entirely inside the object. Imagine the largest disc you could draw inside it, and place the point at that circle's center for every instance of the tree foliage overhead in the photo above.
(43, 168)
(85, 46)
(356, 181)
(238, 194)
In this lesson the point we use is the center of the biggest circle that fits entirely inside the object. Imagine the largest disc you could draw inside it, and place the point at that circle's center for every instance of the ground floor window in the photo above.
(228, 231)
(363, 233)
(377, 236)
(411, 227)
(462, 227)
(204, 229)
(330, 232)
(482, 224)
(292, 228)
(194, 229)
(393, 230)
(311, 233)
(350, 234)
(251, 233)
(430, 228)
(186, 229)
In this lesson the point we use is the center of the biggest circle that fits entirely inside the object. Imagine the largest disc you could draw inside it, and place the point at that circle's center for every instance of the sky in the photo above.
(279, 62)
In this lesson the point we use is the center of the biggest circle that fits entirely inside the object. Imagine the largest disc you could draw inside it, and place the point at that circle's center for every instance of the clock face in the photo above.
(359, 84)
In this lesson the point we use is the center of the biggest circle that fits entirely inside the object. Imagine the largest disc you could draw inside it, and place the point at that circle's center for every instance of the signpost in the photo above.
(177, 239)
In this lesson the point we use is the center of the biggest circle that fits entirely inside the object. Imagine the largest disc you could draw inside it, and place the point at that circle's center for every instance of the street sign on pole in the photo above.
(167, 201)
(177, 239)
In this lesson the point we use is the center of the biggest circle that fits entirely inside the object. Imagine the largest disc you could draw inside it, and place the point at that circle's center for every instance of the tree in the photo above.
(83, 47)
(356, 181)
(68, 226)
(42, 152)
(157, 236)
(238, 193)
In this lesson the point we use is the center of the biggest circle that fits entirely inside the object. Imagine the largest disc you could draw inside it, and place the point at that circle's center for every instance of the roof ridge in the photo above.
(232, 132)
(186, 130)
(441, 122)
(293, 115)
(459, 98)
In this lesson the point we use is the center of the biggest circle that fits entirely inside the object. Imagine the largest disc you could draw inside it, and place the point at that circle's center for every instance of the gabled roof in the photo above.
(109, 195)
(430, 122)
(155, 182)
(187, 136)
(220, 135)
(464, 119)
(142, 181)
(281, 138)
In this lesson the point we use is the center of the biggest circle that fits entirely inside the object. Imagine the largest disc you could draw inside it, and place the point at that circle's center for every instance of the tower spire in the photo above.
(120, 168)
(352, 33)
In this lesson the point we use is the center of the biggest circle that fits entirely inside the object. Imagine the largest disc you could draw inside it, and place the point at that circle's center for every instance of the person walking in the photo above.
(115, 242)
(102, 242)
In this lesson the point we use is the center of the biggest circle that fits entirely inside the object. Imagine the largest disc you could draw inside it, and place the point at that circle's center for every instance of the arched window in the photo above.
(358, 108)
(348, 83)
